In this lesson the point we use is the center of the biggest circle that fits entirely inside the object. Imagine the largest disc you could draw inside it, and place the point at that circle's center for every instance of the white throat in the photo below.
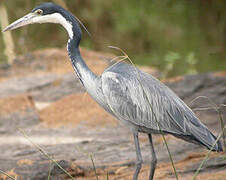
(55, 18)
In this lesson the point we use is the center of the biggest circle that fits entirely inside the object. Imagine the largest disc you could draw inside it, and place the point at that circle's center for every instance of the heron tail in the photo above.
(212, 143)
(198, 133)
(206, 138)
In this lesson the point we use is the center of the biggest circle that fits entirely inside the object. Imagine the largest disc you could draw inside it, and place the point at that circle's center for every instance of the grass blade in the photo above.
(45, 154)
(50, 169)
(222, 127)
(7, 175)
(207, 156)
(107, 176)
(218, 110)
(94, 167)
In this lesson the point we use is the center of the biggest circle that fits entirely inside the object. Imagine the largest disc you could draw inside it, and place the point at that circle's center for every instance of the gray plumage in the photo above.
(135, 98)
(149, 106)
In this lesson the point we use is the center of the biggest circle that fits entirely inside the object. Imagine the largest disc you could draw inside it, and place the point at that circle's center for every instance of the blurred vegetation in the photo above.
(178, 37)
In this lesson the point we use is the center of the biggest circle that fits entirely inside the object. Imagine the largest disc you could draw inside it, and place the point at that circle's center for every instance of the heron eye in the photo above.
(39, 12)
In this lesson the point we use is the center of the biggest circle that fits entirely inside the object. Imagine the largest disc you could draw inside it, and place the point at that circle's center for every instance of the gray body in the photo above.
(146, 105)
(135, 98)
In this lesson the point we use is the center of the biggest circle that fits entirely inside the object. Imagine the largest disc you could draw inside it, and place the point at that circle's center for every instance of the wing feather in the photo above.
(139, 98)
(143, 100)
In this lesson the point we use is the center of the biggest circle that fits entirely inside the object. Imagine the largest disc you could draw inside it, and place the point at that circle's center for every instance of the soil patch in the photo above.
(76, 109)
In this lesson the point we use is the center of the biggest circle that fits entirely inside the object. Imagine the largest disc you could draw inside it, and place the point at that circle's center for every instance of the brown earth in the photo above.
(85, 111)
(40, 95)
(15, 104)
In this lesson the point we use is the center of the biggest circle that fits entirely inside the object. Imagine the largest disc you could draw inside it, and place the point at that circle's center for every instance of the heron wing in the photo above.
(139, 98)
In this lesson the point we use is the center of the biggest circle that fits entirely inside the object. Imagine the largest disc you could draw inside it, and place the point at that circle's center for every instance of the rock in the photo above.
(62, 86)
(193, 86)
(26, 84)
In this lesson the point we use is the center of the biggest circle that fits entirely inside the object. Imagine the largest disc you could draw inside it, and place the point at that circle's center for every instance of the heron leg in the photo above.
(139, 157)
(153, 158)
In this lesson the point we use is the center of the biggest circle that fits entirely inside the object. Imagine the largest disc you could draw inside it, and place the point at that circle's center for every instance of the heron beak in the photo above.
(27, 19)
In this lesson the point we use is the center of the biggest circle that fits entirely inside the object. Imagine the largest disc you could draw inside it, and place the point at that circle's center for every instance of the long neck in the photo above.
(85, 75)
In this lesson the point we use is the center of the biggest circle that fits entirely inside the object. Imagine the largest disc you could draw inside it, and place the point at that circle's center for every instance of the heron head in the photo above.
(45, 13)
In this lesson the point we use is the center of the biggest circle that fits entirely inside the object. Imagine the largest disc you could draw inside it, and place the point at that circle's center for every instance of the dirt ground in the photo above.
(41, 95)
